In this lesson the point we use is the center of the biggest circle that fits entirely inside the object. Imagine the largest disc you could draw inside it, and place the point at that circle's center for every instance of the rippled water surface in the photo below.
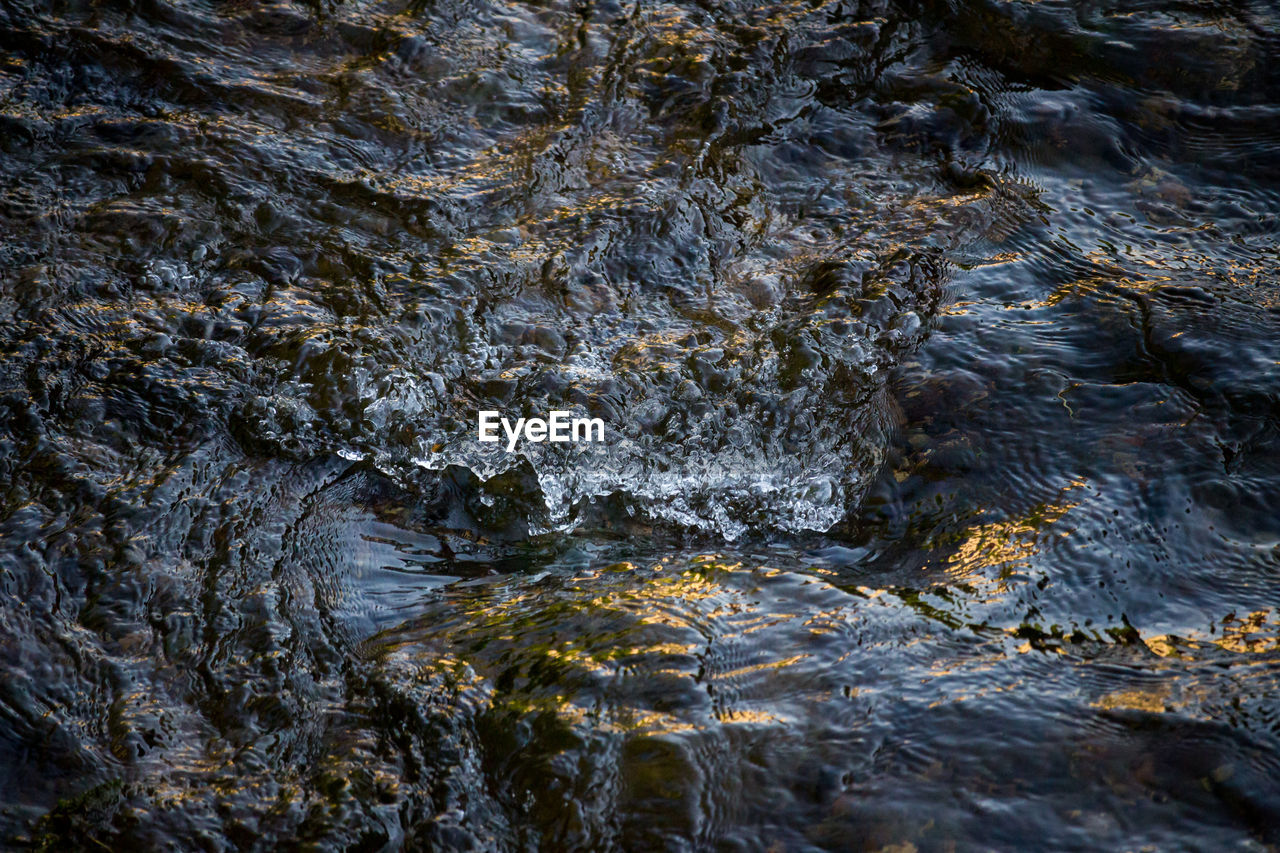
(938, 345)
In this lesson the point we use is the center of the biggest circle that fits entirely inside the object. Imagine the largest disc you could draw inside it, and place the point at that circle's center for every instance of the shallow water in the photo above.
(939, 349)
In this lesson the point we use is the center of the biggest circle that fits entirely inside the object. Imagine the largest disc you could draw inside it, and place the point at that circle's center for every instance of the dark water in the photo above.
(939, 348)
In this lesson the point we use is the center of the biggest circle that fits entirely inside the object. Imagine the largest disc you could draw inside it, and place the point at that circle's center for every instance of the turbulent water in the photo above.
(938, 345)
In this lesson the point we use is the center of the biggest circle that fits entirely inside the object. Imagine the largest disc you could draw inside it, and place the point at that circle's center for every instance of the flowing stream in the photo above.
(937, 344)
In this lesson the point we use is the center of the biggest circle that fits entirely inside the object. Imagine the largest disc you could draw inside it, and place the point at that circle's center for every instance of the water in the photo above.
(939, 348)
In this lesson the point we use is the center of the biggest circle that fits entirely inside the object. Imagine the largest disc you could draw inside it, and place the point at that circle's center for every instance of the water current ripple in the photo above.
(937, 348)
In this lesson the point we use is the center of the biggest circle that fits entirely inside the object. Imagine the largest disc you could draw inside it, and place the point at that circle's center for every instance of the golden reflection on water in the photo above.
(1153, 699)
(1007, 545)
(1255, 633)
(606, 649)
